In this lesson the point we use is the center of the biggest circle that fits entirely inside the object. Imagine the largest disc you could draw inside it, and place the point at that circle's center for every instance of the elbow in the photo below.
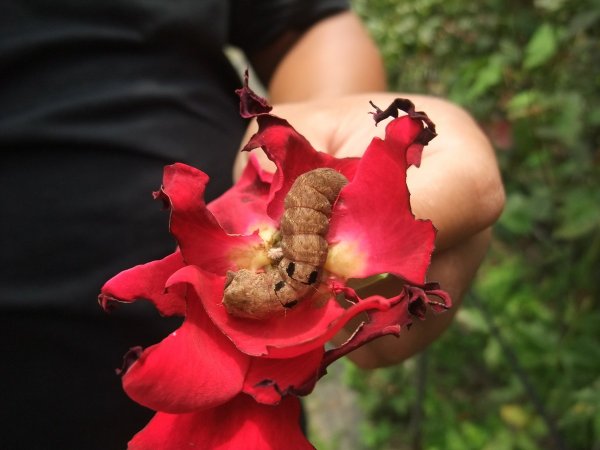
(491, 197)
(481, 170)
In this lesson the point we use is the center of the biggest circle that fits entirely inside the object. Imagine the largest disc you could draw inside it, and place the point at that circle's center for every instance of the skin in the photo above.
(321, 82)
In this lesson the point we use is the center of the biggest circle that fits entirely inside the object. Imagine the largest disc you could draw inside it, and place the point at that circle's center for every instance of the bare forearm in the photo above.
(454, 269)
(335, 57)
(322, 86)
(458, 186)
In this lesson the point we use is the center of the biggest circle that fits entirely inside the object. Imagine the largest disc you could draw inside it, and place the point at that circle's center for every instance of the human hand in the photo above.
(457, 187)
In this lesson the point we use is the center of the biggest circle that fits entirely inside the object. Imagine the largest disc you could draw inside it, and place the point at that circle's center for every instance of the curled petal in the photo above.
(251, 104)
(146, 281)
(201, 239)
(372, 228)
(293, 155)
(429, 294)
(239, 424)
(404, 104)
(243, 208)
(269, 379)
(411, 303)
(195, 367)
(380, 323)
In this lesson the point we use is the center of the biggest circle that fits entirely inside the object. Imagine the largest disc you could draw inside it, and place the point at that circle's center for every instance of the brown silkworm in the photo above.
(303, 251)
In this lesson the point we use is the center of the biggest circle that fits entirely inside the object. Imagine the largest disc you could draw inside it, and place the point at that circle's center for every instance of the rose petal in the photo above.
(372, 222)
(243, 208)
(146, 281)
(410, 303)
(201, 239)
(293, 155)
(251, 104)
(239, 424)
(380, 323)
(269, 379)
(195, 367)
(301, 330)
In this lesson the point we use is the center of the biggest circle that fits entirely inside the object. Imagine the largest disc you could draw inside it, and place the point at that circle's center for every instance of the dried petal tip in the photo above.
(421, 296)
(108, 303)
(251, 104)
(162, 197)
(132, 355)
(408, 107)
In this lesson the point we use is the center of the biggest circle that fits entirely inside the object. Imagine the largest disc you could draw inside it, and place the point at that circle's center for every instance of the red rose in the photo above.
(221, 380)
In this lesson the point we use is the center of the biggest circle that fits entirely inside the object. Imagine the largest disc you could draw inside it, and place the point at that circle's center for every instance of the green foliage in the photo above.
(529, 72)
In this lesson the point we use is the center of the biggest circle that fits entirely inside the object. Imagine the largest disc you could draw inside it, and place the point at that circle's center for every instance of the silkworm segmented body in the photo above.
(303, 251)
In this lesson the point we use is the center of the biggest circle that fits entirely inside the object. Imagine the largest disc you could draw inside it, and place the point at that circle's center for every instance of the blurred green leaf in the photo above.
(492, 354)
(487, 77)
(524, 104)
(579, 214)
(472, 320)
(541, 47)
(534, 66)
(514, 415)
(566, 122)
(583, 21)
(549, 5)
(518, 215)
(594, 115)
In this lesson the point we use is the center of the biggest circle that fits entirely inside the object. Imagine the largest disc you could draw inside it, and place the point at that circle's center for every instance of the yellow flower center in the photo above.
(256, 256)
(344, 258)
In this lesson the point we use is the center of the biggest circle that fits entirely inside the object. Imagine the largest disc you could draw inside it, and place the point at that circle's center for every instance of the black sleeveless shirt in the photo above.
(95, 98)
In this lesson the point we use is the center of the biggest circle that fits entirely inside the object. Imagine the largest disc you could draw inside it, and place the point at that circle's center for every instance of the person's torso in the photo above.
(96, 98)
